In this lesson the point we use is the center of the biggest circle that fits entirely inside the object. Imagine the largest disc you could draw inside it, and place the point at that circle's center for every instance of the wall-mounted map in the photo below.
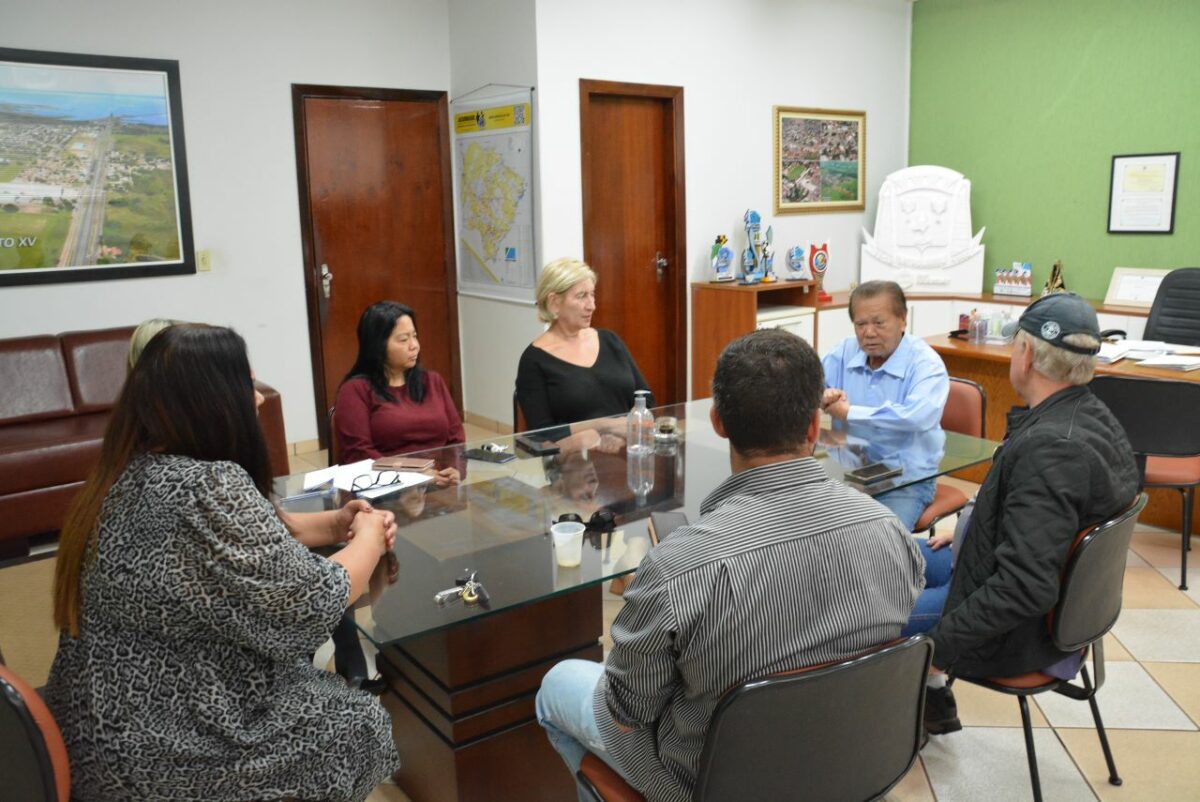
(493, 165)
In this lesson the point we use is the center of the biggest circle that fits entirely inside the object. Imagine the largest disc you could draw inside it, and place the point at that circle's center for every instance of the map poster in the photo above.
(493, 177)
(93, 183)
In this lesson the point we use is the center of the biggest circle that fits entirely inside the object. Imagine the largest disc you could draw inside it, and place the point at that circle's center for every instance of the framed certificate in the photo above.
(1141, 196)
(1132, 286)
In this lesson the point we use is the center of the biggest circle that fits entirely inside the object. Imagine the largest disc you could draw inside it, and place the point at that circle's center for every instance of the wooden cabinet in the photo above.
(724, 312)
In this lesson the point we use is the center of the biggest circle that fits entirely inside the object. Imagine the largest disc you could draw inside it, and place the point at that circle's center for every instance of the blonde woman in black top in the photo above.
(574, 374)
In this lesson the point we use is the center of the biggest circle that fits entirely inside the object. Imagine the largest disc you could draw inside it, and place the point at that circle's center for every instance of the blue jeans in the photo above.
(909, 502)
(939, 569)
(564, 709)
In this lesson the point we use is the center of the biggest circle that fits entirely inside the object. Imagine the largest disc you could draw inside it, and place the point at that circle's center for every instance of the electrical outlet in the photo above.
(204, 260)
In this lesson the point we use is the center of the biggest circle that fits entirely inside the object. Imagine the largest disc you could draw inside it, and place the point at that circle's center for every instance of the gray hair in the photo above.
(558, 277)
(1059, 364)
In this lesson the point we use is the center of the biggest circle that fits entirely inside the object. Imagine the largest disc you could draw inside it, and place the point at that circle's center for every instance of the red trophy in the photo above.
(818, 263)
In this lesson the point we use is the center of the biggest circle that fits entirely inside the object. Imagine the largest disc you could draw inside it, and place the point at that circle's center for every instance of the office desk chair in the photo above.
(1175, 314)
(802, 732)
(36, 767)
(965, 413)
(1159, 419)
(1089, 603)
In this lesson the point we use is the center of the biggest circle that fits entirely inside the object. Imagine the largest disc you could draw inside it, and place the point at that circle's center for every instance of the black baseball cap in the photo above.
(1053, 317)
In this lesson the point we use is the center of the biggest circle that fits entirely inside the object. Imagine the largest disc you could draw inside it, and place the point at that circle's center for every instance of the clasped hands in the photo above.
(835, 403)
(358, 519)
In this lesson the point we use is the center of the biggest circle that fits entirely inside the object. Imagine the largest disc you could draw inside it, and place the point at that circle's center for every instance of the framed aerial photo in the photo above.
(93, 180)
(820, 160)
(1141, 193)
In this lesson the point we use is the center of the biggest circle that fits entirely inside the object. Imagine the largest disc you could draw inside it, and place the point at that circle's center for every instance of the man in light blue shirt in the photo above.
(888, 379)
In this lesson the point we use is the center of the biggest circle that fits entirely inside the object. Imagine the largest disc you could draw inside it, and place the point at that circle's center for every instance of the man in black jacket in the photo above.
(1065, 464)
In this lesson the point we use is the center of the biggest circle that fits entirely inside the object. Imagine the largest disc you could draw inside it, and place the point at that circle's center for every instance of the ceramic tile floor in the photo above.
(1150, 700)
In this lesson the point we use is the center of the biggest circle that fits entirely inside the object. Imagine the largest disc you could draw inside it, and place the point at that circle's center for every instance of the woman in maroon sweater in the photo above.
(388, 404)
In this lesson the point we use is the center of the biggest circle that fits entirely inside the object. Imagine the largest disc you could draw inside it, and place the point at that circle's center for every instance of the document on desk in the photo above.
(345, 477)
(1112, 352)
(1173, 362)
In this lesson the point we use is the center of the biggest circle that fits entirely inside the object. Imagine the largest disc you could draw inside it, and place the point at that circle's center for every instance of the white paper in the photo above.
(1111, 352)
(1173, 362)
(342, 476)
(1138, 289)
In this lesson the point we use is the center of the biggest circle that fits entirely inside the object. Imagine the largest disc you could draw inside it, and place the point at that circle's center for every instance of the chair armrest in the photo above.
(603, 783)
(1104, 335)
(270, 420)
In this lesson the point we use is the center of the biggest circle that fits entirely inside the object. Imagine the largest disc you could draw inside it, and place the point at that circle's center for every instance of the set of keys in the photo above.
(468, 588)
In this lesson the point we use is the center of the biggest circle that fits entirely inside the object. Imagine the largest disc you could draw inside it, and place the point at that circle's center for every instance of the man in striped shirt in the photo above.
(784, 569)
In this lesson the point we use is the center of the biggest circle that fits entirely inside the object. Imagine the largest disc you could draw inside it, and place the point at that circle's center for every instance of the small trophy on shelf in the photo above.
(818, 263)
(797, 265)
(722, 259)
(1055, 283)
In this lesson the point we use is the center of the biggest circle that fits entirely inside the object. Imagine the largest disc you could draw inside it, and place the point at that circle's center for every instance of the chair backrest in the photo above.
(33, 757)
(804, 731)
(1175, 315)
(966, 408)
(1158, 416)
(1090, 599)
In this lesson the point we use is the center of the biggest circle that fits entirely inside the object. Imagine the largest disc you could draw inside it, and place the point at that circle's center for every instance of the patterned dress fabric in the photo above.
(191, 677)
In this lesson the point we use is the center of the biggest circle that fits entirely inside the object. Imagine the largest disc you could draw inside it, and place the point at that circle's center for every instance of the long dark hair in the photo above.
(374, 328)
(189, 393)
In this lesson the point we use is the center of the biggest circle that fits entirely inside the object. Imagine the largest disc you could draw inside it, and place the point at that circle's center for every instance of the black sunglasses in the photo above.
(601, 520)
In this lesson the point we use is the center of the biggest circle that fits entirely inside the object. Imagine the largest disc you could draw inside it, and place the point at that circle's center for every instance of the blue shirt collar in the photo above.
(896, 365)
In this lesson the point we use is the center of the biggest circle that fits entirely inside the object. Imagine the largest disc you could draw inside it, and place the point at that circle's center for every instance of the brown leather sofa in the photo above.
(56, 393)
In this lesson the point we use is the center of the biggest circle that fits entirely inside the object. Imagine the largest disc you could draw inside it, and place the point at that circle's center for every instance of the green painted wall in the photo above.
(1031, 99)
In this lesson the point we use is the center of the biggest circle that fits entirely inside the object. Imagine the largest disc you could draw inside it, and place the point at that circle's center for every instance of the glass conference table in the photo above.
(462, 677)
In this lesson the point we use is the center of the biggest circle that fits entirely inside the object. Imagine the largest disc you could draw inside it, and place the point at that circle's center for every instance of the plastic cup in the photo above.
(568, 543)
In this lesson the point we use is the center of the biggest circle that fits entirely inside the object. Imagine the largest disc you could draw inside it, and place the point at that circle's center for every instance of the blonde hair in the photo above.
(558, 277)
(144, 333)
(1059, 364)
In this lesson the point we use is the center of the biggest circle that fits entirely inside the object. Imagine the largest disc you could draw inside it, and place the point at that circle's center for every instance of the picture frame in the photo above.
(820, 160)
(93, 169)
(1141, 193)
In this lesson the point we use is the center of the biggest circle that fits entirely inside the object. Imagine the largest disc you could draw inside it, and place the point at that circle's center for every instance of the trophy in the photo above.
(818, 263)
(751, 273)
(766, 258)
(797, 265)
(722, 259)
(1055, 283)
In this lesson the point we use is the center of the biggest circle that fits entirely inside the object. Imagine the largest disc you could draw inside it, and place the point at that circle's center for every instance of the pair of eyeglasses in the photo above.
(370, 481)
(601, 520)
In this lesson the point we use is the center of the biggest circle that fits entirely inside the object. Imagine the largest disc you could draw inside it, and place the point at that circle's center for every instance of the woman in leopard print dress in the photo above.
(188, 611)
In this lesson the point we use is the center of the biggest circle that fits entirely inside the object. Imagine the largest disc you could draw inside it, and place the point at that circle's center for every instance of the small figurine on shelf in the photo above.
(797, 265)
(722, 259)
(751, 273)
(818, 263)
(766, 258)
(1055, 283)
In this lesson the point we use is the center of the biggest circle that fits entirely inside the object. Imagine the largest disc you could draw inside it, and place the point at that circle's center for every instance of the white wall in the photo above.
(493, 43)
(735, 60)
(237, 63)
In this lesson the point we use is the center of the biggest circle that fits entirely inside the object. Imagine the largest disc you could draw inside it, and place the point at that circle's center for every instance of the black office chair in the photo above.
(803, 732)
(1175, 314)
(1159, 419)
(34, 757)
(1089, 603)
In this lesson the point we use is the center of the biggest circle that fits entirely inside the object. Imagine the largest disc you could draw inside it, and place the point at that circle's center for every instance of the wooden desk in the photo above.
(988, 365)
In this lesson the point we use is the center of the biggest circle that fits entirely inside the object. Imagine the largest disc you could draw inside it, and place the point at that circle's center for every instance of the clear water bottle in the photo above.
(639, 426)
(639, 475)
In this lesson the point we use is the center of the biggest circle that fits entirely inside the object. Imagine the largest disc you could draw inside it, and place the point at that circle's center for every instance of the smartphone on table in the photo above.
(870, 474)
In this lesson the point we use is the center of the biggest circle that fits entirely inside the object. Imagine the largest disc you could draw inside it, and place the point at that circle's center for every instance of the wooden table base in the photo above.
(462, 702)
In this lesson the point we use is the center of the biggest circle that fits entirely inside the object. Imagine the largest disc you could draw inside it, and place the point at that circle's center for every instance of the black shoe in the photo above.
(941, 712)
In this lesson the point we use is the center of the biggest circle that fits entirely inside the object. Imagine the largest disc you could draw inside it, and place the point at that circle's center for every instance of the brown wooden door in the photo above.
(376, 213)
(633, 213)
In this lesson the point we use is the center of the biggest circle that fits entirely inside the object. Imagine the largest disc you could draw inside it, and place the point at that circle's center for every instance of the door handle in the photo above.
(660, 264)
(326, 280)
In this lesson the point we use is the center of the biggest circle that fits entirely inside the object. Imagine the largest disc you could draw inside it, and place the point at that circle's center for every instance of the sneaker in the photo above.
(941, 711)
